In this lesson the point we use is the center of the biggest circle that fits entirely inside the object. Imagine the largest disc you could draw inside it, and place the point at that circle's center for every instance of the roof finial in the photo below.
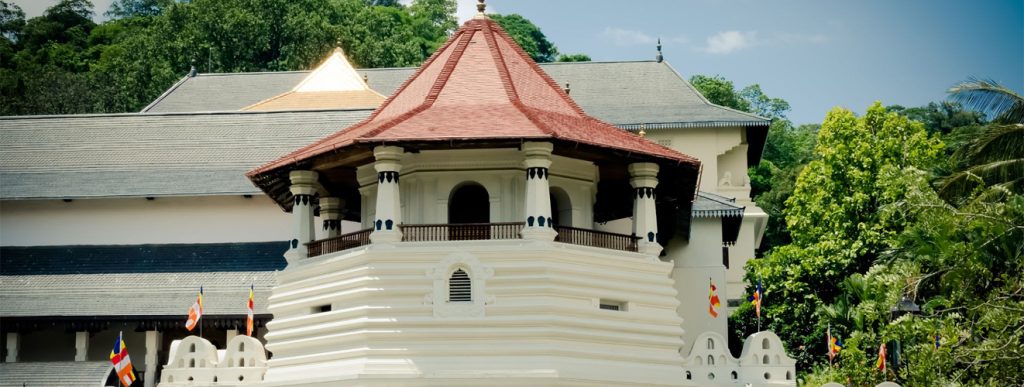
(337, 45)
(192, 72)
(480, 7)
(642, 132)
(658, 57)
(366, 79)
(567, 88)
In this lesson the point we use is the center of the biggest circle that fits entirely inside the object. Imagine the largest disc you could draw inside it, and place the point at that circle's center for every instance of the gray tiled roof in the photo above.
(233, 91)
(132, 294)
(621, 93)
(55, 374)
(709, 205)
(111, 155)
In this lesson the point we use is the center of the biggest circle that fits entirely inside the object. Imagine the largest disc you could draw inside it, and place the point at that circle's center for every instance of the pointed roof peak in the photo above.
(481, 6)
(481, 87)
(334, 84)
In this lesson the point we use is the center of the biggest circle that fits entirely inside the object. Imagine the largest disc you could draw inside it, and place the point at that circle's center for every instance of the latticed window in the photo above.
(459, 287)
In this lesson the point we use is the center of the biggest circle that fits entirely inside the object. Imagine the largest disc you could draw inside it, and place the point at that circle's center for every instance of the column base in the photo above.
(385, 236)
(539, 233)
(651, 248)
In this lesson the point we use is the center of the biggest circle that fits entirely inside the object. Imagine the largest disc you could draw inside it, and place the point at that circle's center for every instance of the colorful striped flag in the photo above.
(713, 300)
(880, 364)
(249, 321)
(122, 363)
(195, 312)
(757, 298)
(834, 344)
(938, 341)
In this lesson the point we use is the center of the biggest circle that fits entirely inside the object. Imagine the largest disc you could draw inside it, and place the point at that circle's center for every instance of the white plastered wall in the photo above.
(695, 263)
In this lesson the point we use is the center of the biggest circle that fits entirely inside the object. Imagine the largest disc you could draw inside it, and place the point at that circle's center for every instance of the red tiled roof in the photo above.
(480, 85)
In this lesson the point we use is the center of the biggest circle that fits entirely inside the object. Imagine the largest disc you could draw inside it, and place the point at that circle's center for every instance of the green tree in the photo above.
(573, 58)
(137, 8)
(528, 36)
(993, 159)
(720, 91)
(833, 216)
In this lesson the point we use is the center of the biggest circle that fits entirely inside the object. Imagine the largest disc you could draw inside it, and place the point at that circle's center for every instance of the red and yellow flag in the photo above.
(713, 300)
(249, 321)
(880, 364)
(195, 312)
(122, 363)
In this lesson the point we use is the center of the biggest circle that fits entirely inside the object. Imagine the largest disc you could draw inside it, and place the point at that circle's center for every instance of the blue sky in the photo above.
(816, 54)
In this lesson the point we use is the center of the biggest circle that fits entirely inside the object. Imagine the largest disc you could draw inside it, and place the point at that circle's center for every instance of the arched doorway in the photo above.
(561, 207)
(469, 212)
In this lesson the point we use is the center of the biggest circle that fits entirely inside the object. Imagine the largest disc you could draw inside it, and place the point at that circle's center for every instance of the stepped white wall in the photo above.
(535, 318)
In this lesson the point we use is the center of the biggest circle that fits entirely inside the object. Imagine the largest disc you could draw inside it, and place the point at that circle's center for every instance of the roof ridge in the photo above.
(705, 100)
(165, 94)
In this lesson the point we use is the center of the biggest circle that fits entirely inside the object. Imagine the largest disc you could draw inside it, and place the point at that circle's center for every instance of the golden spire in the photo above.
(642, 132)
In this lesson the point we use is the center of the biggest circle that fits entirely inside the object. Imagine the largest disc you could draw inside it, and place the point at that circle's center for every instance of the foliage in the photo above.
(988, 96)
(528, 36)
(834, 219)
(573, 58)
(992, 158)
(720, 91)
(965, 266)
(63, 62)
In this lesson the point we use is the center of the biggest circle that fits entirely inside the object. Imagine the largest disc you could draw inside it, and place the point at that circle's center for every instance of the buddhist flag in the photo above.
(834, 344)
(713, 300)
(880, 364)
(122, 363)
(195, 312)
(249, 320)
(757, 298)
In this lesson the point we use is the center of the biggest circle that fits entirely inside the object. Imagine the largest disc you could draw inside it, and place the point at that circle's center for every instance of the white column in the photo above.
(153, 343)
(302, 188)
(12, 347)
(330, 212)
(389, 201)
(645, 218)
(538, 194)
(81, 345)
(228, 335)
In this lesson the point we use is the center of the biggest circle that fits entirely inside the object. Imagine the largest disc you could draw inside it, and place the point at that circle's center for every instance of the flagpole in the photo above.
(760, 301)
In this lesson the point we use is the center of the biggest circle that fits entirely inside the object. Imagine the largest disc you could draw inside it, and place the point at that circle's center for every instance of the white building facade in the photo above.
(510, 249)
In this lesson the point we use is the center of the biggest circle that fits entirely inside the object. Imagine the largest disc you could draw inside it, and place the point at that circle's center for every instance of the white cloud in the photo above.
(729, 41)
(625, 37)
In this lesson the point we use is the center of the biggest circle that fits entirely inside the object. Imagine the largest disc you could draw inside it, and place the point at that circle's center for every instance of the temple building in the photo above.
(491, 222)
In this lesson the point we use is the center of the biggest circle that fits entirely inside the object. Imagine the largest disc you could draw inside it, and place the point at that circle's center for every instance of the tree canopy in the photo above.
(64, 63)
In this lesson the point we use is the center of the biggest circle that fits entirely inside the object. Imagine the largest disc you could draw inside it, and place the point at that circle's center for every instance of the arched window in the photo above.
(789, 376)
(561, 207)
(764, 343)
(711, 360)
(241, 346)
(711, 343)
(460, 289)
(764, 360)
(689, 376)
(735, 375)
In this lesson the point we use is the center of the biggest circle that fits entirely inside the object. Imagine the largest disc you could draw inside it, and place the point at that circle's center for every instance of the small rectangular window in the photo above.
(734, 303)
(725, 256)
(321, 308)
(612, 305)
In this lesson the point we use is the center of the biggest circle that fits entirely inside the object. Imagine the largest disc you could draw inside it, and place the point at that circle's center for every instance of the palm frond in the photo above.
(996, 142)
(987, 96)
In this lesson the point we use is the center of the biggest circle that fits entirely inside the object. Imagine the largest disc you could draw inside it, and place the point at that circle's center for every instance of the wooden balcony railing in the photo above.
(339, 243)
(593, 238)
(473, 232)
(460, 232)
